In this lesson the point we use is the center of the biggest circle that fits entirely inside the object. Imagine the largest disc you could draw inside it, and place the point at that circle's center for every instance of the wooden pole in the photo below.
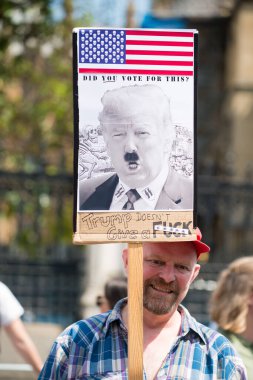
(135, 311)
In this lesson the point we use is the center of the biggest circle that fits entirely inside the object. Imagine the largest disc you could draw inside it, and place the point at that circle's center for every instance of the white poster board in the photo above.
(135, 134)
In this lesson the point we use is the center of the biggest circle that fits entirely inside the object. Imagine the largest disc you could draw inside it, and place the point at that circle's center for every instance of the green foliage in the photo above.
(36, 121)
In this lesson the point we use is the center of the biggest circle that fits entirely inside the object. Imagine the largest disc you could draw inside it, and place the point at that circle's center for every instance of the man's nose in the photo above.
(130, 145)
(167, 273)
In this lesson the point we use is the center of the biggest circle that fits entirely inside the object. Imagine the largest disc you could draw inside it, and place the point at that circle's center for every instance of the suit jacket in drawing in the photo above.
(97, 193)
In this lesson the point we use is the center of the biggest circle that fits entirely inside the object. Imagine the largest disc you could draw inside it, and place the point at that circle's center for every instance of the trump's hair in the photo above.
(228, 304)
(128, 101)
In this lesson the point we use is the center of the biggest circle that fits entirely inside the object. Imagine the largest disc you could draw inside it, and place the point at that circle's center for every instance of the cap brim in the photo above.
(201, 247)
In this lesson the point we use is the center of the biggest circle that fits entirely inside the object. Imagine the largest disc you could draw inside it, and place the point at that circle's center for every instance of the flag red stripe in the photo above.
(135, 71)
(158, 33)
(159, 43)
(160, 52)
(151, 62)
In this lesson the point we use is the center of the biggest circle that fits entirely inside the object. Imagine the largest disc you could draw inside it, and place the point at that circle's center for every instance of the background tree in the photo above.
(36, 124)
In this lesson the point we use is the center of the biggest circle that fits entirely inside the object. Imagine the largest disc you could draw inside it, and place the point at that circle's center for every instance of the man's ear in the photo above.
(125, 258)
(195, 272)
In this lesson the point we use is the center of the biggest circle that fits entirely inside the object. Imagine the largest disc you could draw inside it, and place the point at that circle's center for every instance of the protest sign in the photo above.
(135, 123)
(134, 93)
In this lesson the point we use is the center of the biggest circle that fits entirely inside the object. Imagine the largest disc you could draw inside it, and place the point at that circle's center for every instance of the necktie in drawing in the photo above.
(132, 196)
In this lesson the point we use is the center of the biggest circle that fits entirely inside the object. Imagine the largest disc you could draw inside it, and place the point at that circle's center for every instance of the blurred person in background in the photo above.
(231, 308)
(114, 290)
(10, 314)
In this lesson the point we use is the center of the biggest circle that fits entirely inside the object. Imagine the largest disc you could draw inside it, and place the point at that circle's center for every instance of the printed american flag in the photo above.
(136, 51)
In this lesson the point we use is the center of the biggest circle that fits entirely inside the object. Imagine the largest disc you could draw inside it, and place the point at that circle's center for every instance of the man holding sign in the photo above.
(137, 129)
(176, 346)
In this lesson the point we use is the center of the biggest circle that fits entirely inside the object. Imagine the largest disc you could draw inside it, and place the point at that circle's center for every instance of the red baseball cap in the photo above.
(199, 245)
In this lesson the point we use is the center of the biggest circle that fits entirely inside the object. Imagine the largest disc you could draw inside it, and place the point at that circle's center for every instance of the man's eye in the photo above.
(156, 262)
(182, 268)
(142, 133)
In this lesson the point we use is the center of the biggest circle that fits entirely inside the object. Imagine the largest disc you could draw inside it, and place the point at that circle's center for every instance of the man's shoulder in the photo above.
(221, 350)
(179, 189)
(177, 180)
(88, 186)
(83, 332)
(212, 339)
(4, 288)
(10, 307)
(218, 344)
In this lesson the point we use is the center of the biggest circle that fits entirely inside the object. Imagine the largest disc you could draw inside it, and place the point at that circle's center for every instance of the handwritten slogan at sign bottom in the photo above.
(98, 227)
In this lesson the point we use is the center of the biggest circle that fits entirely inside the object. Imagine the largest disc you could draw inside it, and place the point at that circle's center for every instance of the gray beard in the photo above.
(160, 305)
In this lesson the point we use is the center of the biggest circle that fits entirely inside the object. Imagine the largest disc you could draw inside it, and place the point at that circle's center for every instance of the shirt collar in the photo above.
(149, 193)
(116, 315)
(189, 324)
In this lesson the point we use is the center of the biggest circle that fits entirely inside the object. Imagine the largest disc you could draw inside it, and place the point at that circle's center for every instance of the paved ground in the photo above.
(12, 365)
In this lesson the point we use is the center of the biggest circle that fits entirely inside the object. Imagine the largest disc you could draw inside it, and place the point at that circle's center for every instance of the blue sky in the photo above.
(104, 12)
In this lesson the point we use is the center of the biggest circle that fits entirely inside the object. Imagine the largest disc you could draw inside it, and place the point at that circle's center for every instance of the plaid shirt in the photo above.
(96, 348)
